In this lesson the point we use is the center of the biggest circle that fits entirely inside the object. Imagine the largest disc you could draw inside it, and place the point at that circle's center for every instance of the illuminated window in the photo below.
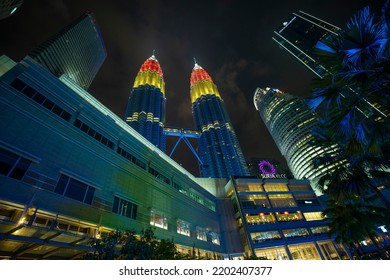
(276, 187)
(260, 219)
(13, 165)
(274, 253)
(282, 200)
(328, 250)
(319, 230)
(258, 237)
(289, 216)
(125, 208)
(304, 252)
(254, 201)
(201, 234)
(313, 216)
(214, 238)
(158, 220)
(295, 232)
(183, 227)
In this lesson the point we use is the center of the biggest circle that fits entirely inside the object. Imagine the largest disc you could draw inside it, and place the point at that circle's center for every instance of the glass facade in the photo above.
(299, 34)
(77, 51)
(290, 122)
(219, 148)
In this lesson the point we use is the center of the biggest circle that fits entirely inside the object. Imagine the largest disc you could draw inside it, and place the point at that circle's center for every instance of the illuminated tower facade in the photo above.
(299, 36)
(77, 51)
(290, 122)
(145, 110)
(219, 149)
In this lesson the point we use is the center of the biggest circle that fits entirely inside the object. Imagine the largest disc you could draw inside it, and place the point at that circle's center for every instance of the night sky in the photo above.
(231, 40)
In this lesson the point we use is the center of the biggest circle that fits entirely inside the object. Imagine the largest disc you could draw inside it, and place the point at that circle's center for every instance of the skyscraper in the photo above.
(290, 122)
(145, 110)
(77, 51)
(219, 149)
(9, 7)
(299, 35)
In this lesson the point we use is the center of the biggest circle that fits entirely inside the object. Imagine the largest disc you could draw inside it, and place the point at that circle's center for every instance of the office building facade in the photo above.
(299, 36)
(145, 110)
(219, 148)
(281, 219)
(290, 122)
(77, 51)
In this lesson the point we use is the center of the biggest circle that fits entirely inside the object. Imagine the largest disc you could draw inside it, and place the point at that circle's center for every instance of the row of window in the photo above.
(278, 201)
(272, 187)
(281, 217)
(184, 228)
(264, 236)
(93, 133)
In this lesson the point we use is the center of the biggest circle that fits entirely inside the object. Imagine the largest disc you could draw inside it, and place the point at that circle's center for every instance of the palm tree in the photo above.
(354, 219)
(353, 101)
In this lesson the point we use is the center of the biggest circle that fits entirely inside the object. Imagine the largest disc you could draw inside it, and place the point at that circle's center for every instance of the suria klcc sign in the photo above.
(268, 170)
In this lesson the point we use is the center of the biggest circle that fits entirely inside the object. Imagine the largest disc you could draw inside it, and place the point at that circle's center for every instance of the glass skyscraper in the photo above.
(77, 51)
(299, 35)
(290, 122)
(219, 149)
(145, 110)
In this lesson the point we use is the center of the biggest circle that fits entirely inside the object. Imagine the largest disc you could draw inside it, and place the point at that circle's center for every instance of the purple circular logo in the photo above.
(266, 168)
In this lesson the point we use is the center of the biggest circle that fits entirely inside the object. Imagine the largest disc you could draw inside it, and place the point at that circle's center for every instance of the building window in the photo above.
(159, 176)
(306, 200)
(158, 220)
(254, 201)
(313, 216)
(274, 253)
(276, 187)
(183, 227)
(282, 200)
(304, 252)
(13, 165)
(125, 208)
(93, 133)
(258, 237)
(300, 188)
(319, 230)
(260, 219)
(296, 232)
(289, 216)
(75, 189)
(250, 187)
(328, 250)
(201, 234)
(215, 238)
(40, 99)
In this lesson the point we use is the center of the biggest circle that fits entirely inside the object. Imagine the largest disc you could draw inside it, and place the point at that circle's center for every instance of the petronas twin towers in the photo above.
(218, 148)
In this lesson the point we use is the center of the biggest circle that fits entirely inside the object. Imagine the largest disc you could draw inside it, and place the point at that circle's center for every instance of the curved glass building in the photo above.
(145, 110)
(219, 149)
(290, 122)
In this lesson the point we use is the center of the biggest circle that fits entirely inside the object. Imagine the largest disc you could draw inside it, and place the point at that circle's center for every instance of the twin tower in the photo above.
(219, 152)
